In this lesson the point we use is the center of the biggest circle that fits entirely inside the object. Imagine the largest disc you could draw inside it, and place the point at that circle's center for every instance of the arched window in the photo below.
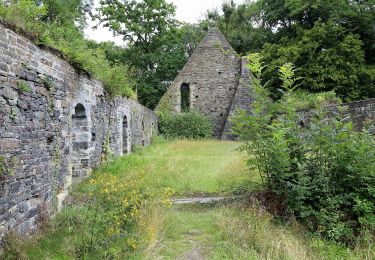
(81, 138)
(125, 135)
(185, 97)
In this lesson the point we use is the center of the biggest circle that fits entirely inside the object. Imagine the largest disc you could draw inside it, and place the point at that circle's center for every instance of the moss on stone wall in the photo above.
(165, 106)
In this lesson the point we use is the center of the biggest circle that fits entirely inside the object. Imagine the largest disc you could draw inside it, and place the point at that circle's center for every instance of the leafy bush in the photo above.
(325, 172)
(185, 125)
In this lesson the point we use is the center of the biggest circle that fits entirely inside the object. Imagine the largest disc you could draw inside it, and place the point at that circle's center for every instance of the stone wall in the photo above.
(212, 74)
(242, 99)
(361, 113)
(55, 125)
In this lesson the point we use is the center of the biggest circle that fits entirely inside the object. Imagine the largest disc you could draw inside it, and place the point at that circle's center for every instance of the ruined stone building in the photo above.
(55, 125)
(213, 82)
(216, 82)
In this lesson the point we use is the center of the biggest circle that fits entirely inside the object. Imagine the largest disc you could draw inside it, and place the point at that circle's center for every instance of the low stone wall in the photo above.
(55, 126)
(361, 113)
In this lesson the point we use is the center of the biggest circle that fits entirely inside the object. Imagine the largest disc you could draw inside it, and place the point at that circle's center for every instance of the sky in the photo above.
(187, 11)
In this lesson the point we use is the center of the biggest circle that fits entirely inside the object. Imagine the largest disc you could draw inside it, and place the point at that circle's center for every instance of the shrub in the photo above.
(185, 125)
(325, 172)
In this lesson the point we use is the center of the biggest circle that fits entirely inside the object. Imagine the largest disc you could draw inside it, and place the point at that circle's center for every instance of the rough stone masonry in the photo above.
(216, 82)
(55, 125)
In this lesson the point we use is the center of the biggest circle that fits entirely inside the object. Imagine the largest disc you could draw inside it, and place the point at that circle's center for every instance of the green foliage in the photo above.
(48, 83)
(23, 14)
(2, 166)
(240, 25)
(137, 21)
(24, 86)
(59, 25)
(7, 167)
(157, 47)
(185, 125)
(165, 105)
(324, 171)
(331, 43)
(303, 100)
(12, 245)
(328, 59)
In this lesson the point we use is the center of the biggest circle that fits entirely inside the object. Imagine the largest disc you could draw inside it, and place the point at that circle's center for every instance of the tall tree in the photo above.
(331, 42)
(241, 25)
(157, 45)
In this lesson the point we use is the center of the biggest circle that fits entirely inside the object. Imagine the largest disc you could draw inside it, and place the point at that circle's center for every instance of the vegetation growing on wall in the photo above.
(324, 173)
(59, 24)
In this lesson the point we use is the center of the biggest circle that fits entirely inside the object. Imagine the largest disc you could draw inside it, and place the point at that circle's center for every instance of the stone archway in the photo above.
(80, 141)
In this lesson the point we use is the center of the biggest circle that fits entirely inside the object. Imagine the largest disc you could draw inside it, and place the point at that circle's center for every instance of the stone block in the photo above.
(4, 67)
(9, 144)
(9, 93)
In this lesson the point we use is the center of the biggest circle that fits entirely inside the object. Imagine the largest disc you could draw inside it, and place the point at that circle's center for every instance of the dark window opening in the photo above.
(79, 111)
(125, 135)
(185, 97)
(81, 138)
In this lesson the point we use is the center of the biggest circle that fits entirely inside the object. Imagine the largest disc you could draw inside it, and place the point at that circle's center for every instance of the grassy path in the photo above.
(192, 168)
(216, 231)
(196, 168)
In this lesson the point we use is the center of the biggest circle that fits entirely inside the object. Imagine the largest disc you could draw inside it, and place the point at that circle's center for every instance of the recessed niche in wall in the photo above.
(125, 135)
(80, 140)
(185, 97)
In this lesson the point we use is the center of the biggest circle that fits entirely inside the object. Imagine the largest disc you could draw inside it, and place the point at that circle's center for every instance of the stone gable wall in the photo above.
(212, 73)
(43, 149)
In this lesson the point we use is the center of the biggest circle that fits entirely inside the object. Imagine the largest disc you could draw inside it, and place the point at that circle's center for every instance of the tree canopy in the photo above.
(331, 43)
(157, 44)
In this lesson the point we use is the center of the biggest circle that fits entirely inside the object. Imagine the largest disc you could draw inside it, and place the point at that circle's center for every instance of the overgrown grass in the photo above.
(188, 167)
(237, 232)
(158, 230)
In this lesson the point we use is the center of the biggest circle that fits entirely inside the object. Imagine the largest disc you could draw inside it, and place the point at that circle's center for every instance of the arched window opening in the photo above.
(185, 97)
(125, 135)
(81, 138)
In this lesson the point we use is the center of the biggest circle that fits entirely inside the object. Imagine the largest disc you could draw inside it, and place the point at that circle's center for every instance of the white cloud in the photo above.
(187, 10)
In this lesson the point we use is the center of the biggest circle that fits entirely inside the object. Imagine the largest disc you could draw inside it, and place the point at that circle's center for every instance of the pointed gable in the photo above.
(211, 75)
